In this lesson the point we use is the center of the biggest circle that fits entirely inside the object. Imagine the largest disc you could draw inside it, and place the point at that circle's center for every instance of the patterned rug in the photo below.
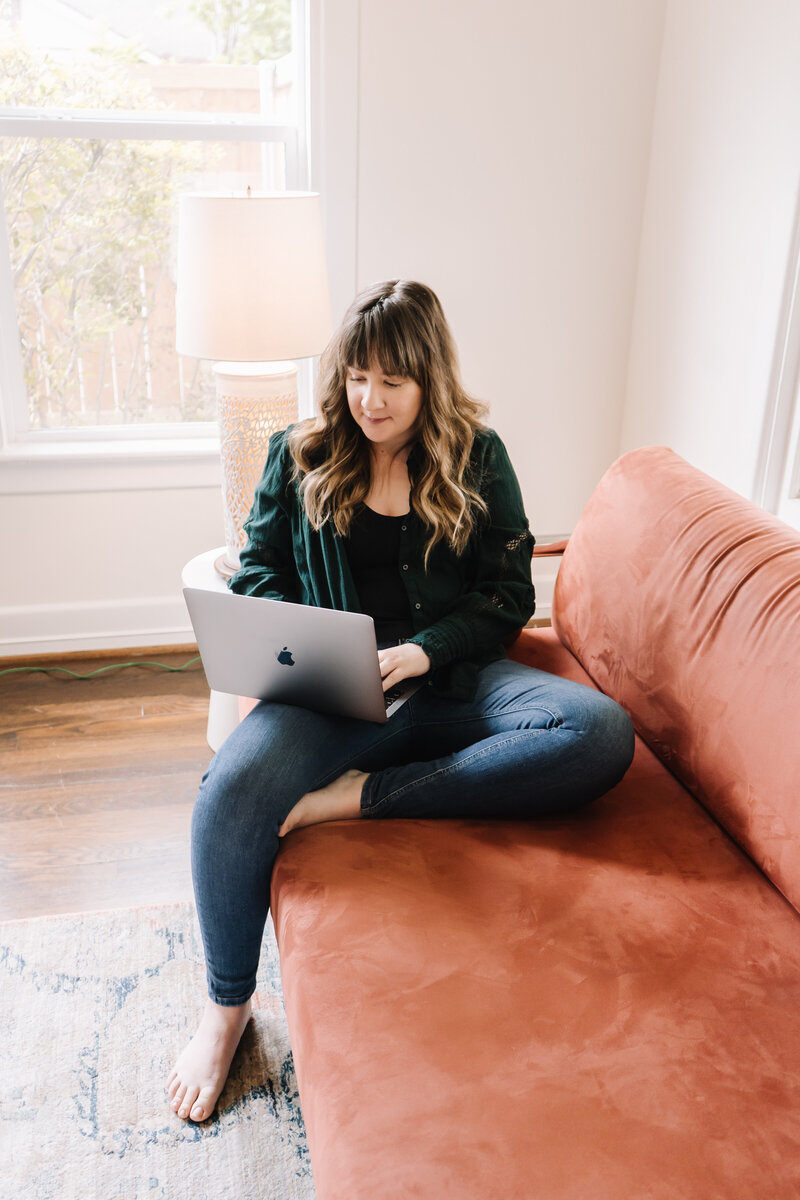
(95, 1008)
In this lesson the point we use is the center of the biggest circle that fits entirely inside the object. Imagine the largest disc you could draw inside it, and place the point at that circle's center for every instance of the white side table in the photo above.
(223, 710)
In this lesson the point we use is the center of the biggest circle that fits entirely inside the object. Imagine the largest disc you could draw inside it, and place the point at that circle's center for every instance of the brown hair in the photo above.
(400, 328)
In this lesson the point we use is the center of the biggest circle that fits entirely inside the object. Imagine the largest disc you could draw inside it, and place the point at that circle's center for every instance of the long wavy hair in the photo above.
(399, 328)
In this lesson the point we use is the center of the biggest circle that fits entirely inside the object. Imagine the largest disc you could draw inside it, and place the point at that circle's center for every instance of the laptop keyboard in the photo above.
(394, 693)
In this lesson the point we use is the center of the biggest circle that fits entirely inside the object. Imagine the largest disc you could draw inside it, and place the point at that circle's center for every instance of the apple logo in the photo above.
(285, 657)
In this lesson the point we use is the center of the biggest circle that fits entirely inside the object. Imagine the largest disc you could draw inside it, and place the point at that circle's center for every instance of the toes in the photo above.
(204, 1105)
(189, 1098)
(291, 820)
(177, 1097)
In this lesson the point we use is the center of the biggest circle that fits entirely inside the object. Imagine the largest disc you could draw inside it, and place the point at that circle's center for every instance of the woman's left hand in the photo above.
(402, 662)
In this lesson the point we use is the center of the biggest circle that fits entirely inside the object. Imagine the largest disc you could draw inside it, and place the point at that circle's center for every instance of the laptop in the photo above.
(317, 658)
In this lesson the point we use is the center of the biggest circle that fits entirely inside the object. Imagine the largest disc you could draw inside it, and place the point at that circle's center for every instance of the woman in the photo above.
(396, 501)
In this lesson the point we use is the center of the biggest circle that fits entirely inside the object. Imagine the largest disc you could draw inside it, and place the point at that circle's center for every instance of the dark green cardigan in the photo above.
(463, 608)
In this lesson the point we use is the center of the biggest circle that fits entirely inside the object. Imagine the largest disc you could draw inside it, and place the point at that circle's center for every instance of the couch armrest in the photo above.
(550, 549)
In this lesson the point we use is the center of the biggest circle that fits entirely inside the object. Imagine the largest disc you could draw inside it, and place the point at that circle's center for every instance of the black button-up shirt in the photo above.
(463, 607)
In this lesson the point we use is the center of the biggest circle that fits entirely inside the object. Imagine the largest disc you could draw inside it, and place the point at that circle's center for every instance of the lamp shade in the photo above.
(252, 280)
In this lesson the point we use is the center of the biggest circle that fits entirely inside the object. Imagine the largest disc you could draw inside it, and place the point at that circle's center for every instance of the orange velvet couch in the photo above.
(605, 1007)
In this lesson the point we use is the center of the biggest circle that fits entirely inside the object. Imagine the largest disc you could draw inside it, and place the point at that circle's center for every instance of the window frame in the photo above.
(139, 456)
(777, 475)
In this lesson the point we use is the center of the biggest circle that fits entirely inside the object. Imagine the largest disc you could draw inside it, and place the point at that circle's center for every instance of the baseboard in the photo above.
(90, 626)
(37, 629)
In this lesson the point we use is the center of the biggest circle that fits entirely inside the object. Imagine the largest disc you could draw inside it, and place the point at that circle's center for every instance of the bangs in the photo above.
(382, 338)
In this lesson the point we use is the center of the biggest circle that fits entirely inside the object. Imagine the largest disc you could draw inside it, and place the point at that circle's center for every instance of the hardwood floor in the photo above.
(97, 782)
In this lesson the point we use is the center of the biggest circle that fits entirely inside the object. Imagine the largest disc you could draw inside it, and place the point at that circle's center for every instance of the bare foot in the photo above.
(338, 801)
(200, 1072)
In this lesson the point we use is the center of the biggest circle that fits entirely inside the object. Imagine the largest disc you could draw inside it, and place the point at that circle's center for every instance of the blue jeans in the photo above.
(529, 744)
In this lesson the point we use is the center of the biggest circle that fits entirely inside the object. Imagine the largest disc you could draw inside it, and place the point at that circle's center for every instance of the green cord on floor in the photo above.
(100, 670)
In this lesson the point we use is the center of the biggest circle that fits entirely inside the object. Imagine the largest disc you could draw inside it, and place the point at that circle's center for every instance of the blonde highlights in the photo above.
(399, 327)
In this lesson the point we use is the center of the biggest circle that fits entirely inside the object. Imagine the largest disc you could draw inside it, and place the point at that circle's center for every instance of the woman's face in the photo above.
(385, 407)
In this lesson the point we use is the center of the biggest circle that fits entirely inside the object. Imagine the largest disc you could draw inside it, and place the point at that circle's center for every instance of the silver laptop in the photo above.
(317, 658)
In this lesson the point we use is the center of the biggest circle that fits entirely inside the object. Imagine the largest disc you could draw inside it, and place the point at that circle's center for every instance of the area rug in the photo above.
(95, 1008)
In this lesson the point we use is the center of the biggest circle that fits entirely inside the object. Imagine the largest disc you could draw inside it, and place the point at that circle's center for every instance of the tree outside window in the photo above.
(91, 220)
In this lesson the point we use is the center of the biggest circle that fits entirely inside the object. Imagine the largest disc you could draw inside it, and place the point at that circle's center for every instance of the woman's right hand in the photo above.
(402, 662)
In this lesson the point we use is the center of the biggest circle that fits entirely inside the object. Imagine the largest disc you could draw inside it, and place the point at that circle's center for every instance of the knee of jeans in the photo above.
(611, 731)
(229, 780)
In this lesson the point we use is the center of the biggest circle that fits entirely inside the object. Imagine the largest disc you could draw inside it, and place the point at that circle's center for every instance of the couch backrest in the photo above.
(682, 601)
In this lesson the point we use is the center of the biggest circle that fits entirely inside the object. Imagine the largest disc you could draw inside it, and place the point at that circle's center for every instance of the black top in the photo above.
(373, 552)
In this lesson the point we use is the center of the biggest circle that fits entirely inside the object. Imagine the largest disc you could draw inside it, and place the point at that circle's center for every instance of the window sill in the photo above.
(109, 466)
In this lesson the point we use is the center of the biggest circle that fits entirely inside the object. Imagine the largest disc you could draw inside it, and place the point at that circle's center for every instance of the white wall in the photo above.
(717, 233)
(90, 570)
(502, 157)
(497, 149)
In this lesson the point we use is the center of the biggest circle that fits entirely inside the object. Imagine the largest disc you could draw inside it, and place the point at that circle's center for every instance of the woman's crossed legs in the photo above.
(529, 744)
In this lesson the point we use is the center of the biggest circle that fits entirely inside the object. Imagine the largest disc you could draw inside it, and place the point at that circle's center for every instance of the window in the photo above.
(107, 112)
(777, 478)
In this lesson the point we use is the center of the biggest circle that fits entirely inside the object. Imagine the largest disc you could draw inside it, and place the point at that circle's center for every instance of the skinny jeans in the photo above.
(529, 744)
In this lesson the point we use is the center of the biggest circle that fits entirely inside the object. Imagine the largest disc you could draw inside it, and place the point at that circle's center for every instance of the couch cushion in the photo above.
(682, 601)
(606, 1006)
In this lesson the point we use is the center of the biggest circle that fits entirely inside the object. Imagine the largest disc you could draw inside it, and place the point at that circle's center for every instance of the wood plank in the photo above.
(28, 699)
(97, 886)
(97, 782)
(93, 712)
(107, 836)
(56, 862)
(76, 739)
(153, 787)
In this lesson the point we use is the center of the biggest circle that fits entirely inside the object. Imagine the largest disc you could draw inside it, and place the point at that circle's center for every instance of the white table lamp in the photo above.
(252, 291)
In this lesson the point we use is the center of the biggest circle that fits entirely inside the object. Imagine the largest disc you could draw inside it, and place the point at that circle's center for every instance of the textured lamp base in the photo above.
(254, 400)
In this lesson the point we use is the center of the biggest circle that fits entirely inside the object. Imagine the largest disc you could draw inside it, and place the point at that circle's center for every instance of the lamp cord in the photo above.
(100, 670)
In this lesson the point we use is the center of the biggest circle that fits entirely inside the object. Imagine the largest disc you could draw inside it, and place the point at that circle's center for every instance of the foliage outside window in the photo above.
(91, 219)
